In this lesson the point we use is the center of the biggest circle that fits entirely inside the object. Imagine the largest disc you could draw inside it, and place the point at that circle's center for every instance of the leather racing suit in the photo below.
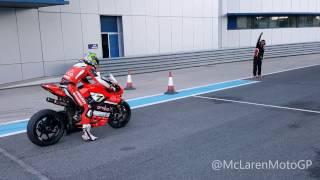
(79, 73)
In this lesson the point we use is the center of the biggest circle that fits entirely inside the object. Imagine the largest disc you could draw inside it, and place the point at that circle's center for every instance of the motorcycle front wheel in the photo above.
(45, 128)
(122, 117)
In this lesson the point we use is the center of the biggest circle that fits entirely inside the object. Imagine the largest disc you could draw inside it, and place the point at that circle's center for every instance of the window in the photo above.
(243, 23)
(260, 22)
(283, 21)
(268, 21)
(316, 21)
(279, 22)
(273, 22)
(305, 21)
(292, 21)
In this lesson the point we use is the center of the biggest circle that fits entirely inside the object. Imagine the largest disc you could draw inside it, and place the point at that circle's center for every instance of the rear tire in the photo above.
(45, 128)
(121, 119)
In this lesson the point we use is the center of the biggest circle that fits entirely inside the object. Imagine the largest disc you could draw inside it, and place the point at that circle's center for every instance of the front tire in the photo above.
(121, 118)
(45, 128)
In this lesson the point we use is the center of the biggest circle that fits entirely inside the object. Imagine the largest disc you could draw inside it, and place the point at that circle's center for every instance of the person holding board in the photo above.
(258, 57)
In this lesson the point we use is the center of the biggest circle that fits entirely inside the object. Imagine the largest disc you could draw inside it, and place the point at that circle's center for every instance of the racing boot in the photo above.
(87, 135)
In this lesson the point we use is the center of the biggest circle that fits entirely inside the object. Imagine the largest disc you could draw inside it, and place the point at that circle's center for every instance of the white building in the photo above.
(45, 41)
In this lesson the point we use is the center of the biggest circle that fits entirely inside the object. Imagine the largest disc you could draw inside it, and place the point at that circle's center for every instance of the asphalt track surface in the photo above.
(180, 139)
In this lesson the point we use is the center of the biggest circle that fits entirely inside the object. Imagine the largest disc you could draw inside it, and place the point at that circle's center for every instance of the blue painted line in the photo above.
(186, 93)
(20, 126)
(14, 127)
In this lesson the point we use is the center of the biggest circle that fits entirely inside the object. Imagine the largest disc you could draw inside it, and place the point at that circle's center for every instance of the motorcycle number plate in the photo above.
(97, 97)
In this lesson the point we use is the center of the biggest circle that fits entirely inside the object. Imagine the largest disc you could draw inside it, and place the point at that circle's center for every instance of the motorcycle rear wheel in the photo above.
(121, 119)
(45, 128)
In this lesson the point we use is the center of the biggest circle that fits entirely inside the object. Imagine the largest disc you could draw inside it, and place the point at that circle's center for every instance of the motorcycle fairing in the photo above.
(54, 89)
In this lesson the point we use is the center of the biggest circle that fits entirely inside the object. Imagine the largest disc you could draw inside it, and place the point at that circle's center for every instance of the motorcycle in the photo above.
(47, 126)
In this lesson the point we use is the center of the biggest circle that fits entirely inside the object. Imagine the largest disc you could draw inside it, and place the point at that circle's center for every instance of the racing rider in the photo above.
(78, 73)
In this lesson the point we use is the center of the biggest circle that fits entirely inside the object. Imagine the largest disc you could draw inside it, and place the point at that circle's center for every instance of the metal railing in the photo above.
(164, 62)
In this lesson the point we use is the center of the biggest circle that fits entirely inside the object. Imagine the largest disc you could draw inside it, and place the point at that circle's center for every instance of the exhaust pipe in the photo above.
(56, 102)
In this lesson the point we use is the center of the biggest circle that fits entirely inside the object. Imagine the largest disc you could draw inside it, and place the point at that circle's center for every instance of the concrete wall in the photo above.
(238, 38)
(46, 41)
(166, 26)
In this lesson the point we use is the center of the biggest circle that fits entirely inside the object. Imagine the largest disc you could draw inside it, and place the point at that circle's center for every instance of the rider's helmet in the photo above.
(91, 59)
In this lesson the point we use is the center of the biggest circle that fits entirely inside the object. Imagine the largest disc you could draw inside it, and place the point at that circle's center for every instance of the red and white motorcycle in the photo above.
(47, 126)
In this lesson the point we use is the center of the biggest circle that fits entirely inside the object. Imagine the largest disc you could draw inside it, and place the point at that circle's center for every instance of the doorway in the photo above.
(105, 45)
(111, 35)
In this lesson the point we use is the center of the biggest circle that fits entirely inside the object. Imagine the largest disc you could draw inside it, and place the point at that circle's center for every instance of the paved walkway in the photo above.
(21, 103)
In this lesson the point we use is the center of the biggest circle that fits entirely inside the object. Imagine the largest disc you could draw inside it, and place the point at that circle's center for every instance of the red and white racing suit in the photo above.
(76, 74)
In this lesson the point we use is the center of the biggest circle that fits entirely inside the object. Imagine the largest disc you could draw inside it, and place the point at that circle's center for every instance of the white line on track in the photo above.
(242, 78)
(291, 69)
(14, 133)
(259, 104)
(22, 164)
(186, 96)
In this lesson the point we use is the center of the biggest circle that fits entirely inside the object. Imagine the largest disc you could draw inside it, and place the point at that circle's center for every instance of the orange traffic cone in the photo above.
(170, 85)
(129, 85)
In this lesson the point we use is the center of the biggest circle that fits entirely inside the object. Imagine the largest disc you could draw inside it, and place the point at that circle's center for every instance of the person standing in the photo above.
(258, 57)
